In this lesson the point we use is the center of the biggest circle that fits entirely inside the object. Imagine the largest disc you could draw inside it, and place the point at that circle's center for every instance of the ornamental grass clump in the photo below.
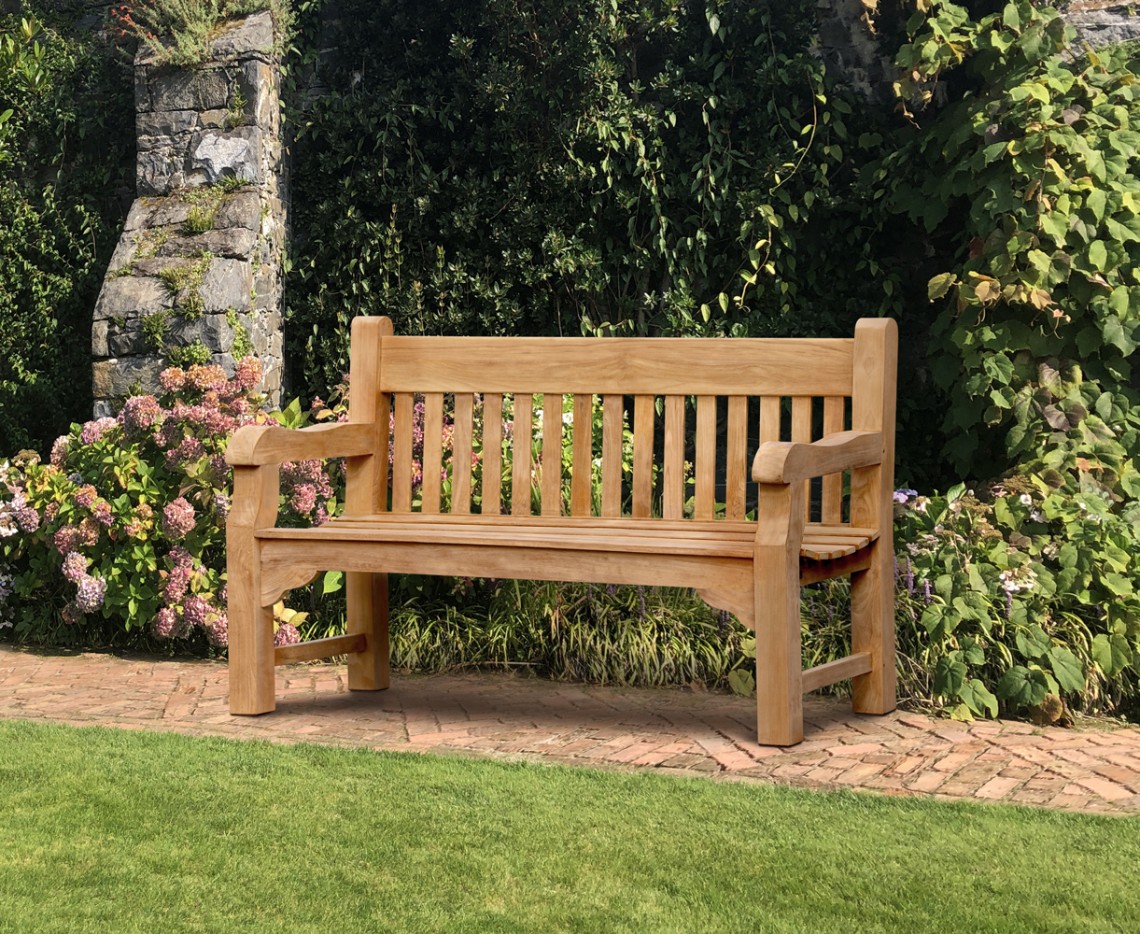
(120, 537)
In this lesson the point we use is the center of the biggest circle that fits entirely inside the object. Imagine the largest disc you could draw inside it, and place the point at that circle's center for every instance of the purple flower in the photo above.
(218, 632)
(89, 593)
(66, 539)
(178, 519)
(176, 585)
(909, 577)
(101, 510)
(94, 430)
(180, 557)
(904, 496)
(74, 566)
(194, 611)
(140, 412)
(927, 598)
(27, 519)
(165, 623)
(286, 635)
(222, 505)
(59, 450)
(85, 496)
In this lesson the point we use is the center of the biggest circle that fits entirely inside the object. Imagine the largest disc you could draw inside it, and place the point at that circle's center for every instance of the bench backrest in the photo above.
(550, 417)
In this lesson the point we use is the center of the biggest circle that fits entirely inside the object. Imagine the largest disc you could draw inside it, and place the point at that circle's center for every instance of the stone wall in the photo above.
(197, 273)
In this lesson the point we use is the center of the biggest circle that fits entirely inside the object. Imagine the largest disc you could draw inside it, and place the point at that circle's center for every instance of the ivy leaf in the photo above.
(332, 582)
(1120, 585)
(742, 682)
(1066, 669)
(1098, 255)
(949, 676)
(1095, 202)
(1114, 333)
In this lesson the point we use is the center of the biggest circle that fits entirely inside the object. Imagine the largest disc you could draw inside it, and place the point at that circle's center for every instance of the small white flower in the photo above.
(1025, 499)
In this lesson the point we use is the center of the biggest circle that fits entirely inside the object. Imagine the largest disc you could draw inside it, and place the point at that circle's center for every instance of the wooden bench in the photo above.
(831, 401)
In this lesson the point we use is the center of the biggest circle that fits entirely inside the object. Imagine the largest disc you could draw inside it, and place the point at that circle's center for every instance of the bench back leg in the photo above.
(873, 631)
(251, 650)
(367, 597)
(779, 657)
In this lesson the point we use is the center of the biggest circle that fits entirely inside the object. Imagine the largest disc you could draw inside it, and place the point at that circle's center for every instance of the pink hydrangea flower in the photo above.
(180, 557)
(140, 413)
(248, 373)
(88, 532)
(165, 623)
(59, 451)
(304, 498)
(172, 379)
(101, 511)
(218, 632)
(94, 430)
(66, 539)
(195, 609)
(178, 519)
(177, 584)
(89, 593)
(85, 496)
(74, 566)
(286, 635)
(204, 377)
(27, 519)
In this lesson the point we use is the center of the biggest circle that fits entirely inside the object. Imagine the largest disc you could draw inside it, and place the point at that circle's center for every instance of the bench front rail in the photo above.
(538, 459)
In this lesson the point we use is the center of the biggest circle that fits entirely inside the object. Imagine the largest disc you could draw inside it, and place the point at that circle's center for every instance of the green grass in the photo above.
(115, 831)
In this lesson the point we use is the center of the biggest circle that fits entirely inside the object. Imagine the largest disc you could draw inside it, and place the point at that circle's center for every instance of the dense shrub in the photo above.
(120, 537)
(66, 132)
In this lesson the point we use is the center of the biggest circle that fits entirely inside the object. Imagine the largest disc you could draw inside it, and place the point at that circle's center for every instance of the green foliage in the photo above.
(66, 126)
(651, 168)
(1026, 182)
(179, 32)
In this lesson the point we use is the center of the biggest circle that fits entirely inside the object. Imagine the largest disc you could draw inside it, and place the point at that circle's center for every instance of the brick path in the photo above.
(671, 731)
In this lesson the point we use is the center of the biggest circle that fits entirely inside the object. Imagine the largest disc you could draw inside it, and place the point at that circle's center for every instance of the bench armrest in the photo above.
(258, 445)
(789, 461)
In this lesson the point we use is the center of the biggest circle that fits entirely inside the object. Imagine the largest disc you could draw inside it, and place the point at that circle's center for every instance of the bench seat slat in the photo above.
(720, 538)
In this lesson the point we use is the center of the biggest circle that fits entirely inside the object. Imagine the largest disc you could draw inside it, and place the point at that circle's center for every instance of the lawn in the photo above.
(120, 831)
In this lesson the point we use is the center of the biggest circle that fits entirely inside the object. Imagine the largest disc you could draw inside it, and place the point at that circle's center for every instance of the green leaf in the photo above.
(332, 582)
(1114, 332)
(938, 286)
(1120, 585)
(975, 695)
(742, 682)
(1022, 687)
(1032, 642)
(1112, 653)
(1066, 669)
(1098, 255)
(949, 676)
(714, 24)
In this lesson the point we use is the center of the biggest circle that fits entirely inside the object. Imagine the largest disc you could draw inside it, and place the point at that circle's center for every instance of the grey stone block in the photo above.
(188, 89)
(213, 331)
(166, 123)
(114, 378)
(241, 209)
(218, 155)
(227, 285)
(232, 241)
(250, 36)
(124, 296)
(99, 346)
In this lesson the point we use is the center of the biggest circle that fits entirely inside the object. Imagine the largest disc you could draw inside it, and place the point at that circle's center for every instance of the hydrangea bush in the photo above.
(124, 528)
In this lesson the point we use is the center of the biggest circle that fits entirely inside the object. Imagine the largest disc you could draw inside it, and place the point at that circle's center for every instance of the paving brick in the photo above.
(702, 735)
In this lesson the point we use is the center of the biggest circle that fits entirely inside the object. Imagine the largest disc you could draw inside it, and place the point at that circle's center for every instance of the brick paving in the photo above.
(1090, 769)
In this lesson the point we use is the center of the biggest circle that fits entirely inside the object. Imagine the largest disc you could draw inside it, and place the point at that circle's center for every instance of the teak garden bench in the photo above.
(842, 394)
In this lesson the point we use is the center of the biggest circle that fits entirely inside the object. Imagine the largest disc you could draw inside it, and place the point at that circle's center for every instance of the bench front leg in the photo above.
(779, 662)
(367, 597)
(251, 651)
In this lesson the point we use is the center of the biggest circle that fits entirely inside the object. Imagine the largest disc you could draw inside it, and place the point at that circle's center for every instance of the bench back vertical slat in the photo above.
(643, 423)
(613, 417)
(402, 454)
(831, 512)
(491, 491)
(673, 493)
(801, 431)
(552, 454)
(462, 439)
(367, 477)
(704, 505)
(521, 433)
(432, 452)
(736, 454)
(582, 464)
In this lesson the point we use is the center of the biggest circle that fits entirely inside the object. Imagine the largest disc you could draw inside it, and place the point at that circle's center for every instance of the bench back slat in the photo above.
(736, 451)
(582, 462)
(402, 453)
(462, 440)
(612, 419)
(522, 430)
(432, 451)
(632, 366)
(492, 482)
(643, 425)
(703, 505)
(831, 512)
(673, 493)
(551, 504)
